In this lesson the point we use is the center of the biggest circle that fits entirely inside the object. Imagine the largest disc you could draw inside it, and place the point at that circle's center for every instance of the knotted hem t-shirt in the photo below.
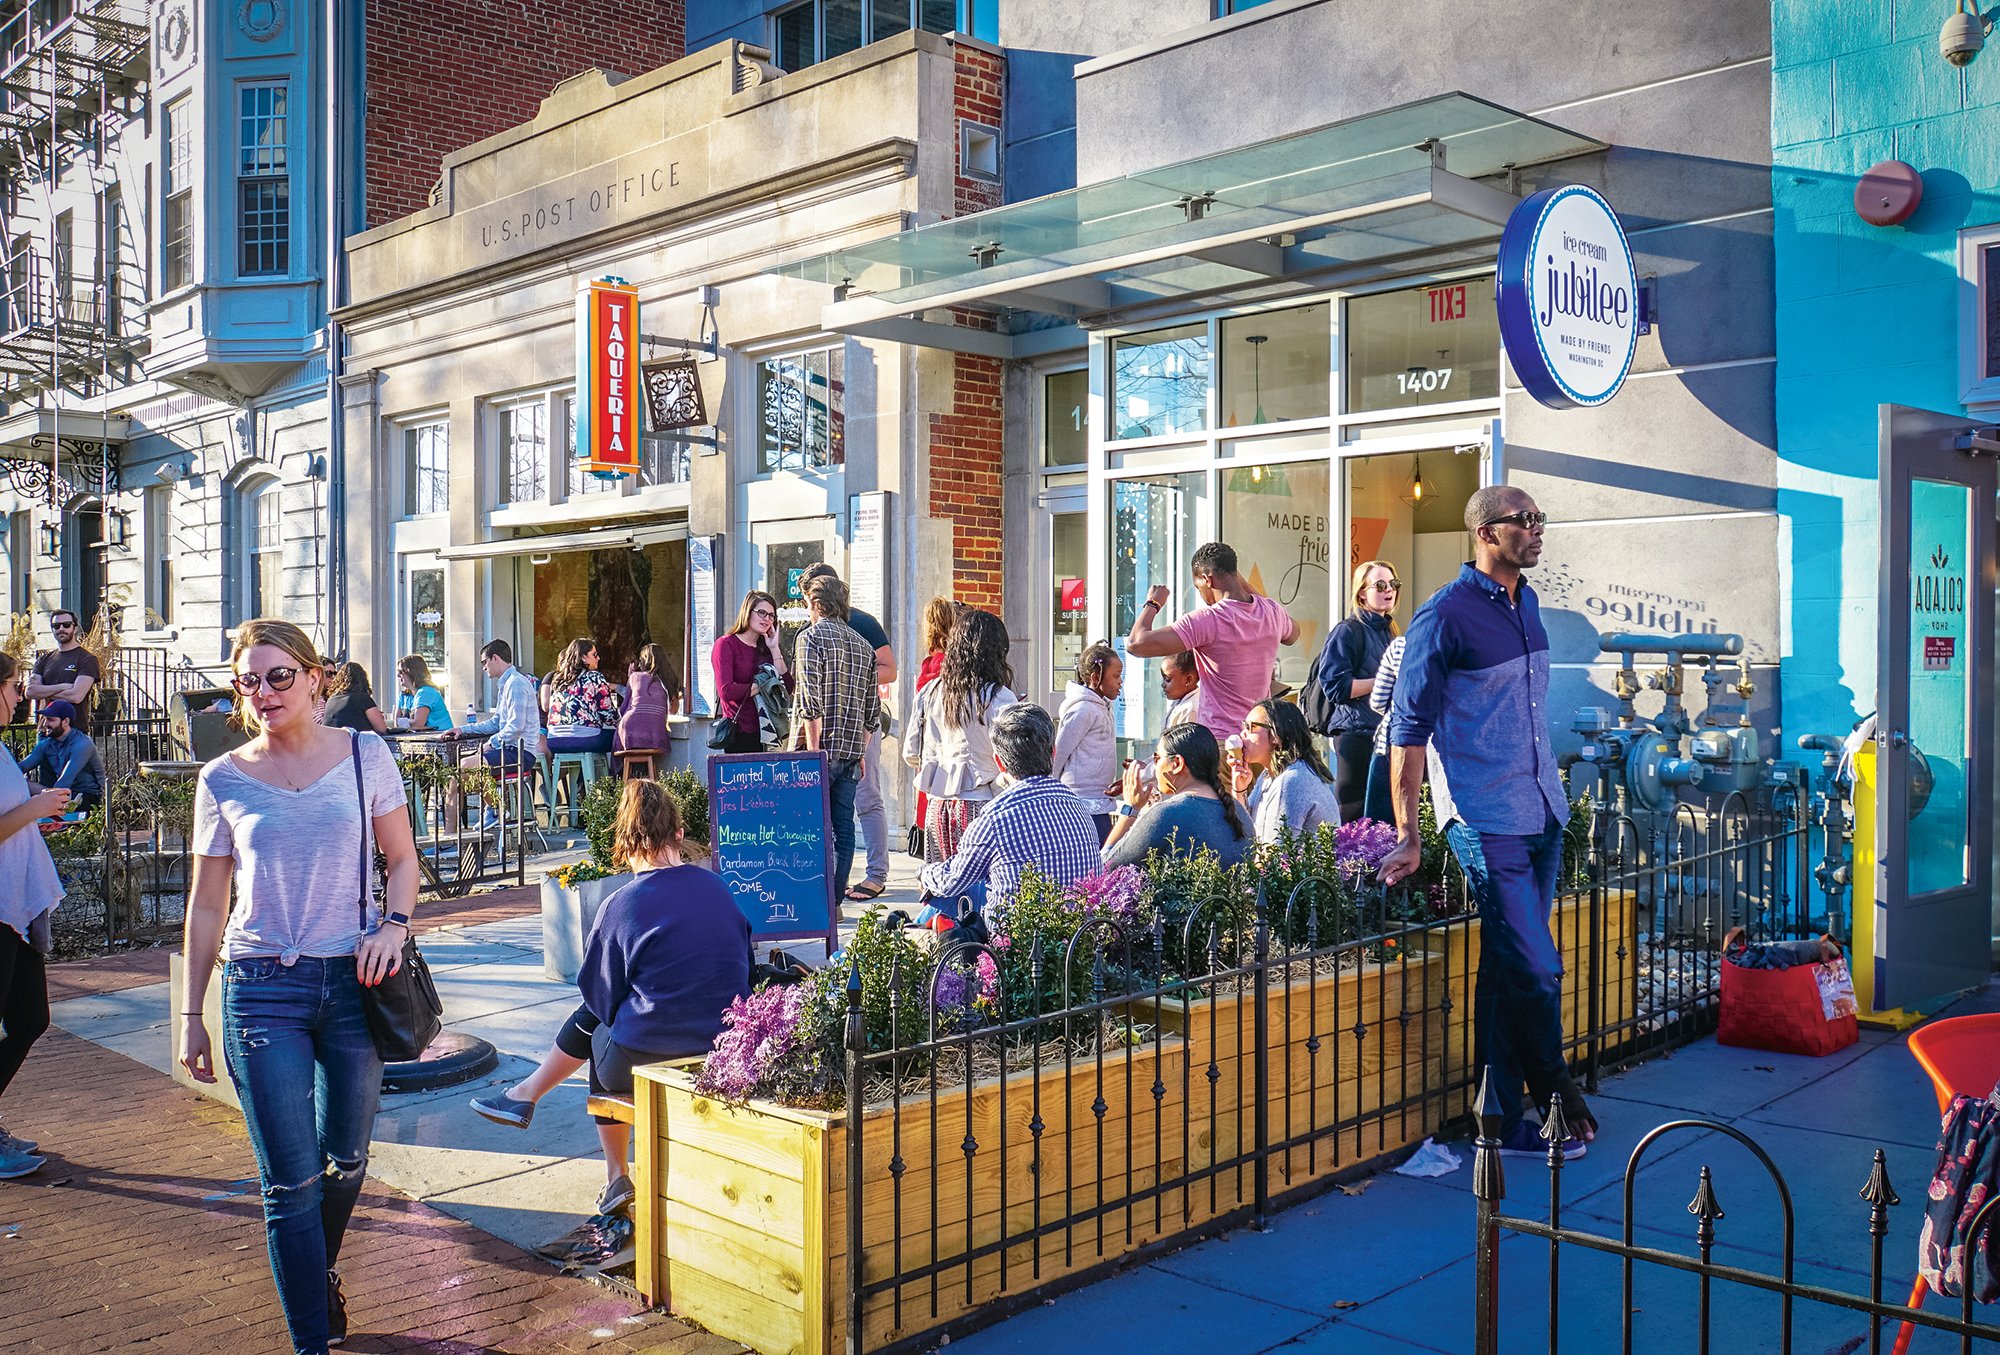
(297, 852)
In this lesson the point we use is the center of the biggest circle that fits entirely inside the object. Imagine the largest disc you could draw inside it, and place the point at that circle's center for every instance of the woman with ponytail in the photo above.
(1187, 809)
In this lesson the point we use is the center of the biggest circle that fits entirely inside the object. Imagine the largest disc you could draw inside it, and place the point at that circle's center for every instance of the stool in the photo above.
(630, 759)
(589, 766)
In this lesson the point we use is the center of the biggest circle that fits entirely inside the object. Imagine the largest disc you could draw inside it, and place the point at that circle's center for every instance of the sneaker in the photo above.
(617, 1197)
(1527, 1141)
(17, 1164)
(10, 1144)
(504, 1109)
(336, 1310)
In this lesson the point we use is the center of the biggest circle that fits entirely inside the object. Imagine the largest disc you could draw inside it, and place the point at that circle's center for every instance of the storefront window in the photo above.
(1159, 382)
(525, 432)
(1421, 535)
(801, 412)
(622, 599)
(580, 480)
(1275, 365)
(1065, 416)
(1423, 346)
(1279, 519)
(427, 616)
(426, 463)
(1155, 527)
(1069, 565)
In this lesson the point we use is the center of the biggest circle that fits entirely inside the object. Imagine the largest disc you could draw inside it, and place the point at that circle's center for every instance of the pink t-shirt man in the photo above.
(1235, 645)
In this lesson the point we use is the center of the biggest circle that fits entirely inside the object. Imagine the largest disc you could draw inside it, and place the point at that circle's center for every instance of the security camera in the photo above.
(1963, 34)
(168, 473)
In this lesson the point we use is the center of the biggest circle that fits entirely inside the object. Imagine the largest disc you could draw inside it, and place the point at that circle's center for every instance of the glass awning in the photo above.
(1357, 194)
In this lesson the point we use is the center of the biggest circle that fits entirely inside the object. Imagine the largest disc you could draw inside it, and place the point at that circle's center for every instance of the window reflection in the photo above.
(1274, 366)
(1423, 346)
(1159, 382)
(1279, 519)
(1156, 524)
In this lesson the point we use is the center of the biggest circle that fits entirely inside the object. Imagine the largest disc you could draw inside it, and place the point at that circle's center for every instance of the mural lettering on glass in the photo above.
(427, 615)
(1940, 695)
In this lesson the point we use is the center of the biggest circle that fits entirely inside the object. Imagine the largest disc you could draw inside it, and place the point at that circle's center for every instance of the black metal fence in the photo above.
(472, 823)
(1654, 1312)
(1022, 1122)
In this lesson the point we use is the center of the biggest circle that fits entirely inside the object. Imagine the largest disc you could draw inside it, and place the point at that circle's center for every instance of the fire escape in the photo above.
(72, 315)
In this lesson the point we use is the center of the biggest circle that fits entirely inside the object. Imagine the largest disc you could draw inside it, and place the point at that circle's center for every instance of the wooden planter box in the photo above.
(742, 1222)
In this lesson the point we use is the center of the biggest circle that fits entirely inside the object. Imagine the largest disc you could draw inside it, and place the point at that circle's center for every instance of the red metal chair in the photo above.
(1962, 1055)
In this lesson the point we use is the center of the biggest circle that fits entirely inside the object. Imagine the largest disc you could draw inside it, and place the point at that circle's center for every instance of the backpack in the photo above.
(1316, 702)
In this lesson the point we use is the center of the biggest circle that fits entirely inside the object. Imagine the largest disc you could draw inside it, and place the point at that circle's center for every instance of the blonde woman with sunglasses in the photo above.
(291, 820)
(1347, 669)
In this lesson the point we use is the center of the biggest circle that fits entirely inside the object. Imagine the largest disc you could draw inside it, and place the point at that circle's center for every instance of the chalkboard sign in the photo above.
(771, 833)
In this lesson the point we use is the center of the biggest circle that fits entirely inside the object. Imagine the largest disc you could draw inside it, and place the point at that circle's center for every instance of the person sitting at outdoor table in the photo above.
(420, 706)
(352, 704)
(1036, 820)
(1187, 809)
(1286, 782)
(516, 724)
(582, 703)
(67, 757)
(656, 694)
(667, 955)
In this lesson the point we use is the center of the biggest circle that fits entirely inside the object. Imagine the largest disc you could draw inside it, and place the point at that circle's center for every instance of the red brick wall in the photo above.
(965, 450)
(443, 74)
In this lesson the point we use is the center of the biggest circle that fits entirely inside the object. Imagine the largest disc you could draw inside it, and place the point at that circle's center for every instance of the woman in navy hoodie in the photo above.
(668, 954)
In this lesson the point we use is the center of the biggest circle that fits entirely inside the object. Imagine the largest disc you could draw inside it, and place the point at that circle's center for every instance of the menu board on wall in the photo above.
(771, 831)
(868, 553)
(703, 581)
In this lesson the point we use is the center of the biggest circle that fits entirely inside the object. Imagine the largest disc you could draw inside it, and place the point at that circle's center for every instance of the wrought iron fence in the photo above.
(1501, 1324)
(472, 823)
(1134, 1088)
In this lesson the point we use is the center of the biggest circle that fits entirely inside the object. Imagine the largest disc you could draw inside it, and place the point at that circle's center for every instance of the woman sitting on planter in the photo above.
(668, 953)
(1187, 809)
(1293, 788)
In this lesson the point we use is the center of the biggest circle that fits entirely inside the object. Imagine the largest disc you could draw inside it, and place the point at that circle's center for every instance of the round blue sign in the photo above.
(1568, 297)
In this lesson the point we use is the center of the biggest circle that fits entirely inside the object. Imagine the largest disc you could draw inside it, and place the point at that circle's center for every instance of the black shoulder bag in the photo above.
(404, 1013)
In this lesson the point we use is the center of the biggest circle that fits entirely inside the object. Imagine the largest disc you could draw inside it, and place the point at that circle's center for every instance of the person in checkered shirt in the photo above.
(1036, 820)
(834, 707)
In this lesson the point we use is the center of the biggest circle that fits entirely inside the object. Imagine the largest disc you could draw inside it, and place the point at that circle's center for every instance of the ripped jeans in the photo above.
(297, 1044)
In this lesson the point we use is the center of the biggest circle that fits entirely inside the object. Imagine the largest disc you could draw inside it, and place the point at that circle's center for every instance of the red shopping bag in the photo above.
(1807, 1009)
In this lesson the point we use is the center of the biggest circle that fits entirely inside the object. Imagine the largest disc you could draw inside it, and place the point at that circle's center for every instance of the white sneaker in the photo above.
(15, 1164)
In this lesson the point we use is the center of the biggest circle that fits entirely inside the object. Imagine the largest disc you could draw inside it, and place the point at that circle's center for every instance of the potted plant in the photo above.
(572, 894)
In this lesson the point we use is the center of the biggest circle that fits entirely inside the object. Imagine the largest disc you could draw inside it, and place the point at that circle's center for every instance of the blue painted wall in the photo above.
(1866, 315)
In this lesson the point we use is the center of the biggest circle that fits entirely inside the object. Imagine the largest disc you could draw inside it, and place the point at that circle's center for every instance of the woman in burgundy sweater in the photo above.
(750, 645)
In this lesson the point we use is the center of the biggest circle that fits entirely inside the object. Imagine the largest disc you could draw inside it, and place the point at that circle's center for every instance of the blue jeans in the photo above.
(1379, 803)
(1517, 1000)
(297, 1044)
(843, 783)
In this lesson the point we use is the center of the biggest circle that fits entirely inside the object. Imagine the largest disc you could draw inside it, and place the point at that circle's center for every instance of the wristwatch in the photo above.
(1126, 811)
(401, 919)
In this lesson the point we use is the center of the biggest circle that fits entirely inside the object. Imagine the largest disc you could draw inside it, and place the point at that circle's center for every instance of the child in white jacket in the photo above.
(1086, 745)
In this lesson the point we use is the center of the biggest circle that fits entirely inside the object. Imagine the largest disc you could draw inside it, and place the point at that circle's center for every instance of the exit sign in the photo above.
(1447, 303)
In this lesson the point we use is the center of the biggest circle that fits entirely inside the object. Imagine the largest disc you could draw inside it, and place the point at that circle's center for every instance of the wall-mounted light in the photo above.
(117, 527)
(1963, 34)
(51, 541)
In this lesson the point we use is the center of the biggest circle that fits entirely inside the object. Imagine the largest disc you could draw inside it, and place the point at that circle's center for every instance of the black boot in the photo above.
(336, 1310)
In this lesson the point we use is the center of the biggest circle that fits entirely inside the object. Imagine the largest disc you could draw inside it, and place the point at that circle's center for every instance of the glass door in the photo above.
(1407, 508)
(1063, 566)
(1934, 731)
(1157, 522)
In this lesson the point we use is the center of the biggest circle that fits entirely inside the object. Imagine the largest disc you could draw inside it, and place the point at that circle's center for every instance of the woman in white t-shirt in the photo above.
(282, 819)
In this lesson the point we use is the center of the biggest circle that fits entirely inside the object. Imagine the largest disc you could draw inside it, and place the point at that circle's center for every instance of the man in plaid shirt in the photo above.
(1036, 821)
(834, 706)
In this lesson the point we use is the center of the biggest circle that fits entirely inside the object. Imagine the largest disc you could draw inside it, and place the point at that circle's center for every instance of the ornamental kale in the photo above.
(1359, 847)
(760, 1032)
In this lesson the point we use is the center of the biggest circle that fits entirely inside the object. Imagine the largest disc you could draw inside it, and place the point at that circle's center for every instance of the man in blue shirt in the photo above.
(66, 757)
(1474, 684)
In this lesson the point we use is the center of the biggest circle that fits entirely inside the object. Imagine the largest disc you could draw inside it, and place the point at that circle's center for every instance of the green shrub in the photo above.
(690, 793)
(600, 816)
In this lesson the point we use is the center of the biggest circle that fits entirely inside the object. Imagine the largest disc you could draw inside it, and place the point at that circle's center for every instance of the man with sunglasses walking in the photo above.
(69, 672)
(1474, 683)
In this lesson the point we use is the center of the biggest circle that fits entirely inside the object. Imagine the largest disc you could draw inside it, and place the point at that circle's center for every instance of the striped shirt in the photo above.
(1036, 821)
(1385, 686)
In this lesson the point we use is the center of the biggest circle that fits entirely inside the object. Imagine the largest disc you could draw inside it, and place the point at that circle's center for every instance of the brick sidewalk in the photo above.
(144, 1229)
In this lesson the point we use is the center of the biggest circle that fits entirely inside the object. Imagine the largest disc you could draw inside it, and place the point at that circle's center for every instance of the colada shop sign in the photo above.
(1568, 297)
(607, 378)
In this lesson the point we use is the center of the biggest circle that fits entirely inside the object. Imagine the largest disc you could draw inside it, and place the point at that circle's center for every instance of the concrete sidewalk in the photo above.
(1389, 1269)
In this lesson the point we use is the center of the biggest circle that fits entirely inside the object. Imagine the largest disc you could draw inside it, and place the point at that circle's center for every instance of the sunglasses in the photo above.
(277, 679)
(1386, 585)
(1527, 521)
(62, 625)
(1252, 726)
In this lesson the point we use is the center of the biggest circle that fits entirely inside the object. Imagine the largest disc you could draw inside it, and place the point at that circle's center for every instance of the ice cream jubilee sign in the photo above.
(1568, 297)
(607, 376)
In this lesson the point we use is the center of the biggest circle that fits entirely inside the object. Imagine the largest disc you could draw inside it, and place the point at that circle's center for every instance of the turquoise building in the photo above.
(1869, 315)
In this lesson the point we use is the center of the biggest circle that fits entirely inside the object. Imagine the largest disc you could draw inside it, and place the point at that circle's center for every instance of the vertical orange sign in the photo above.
(607, 376)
